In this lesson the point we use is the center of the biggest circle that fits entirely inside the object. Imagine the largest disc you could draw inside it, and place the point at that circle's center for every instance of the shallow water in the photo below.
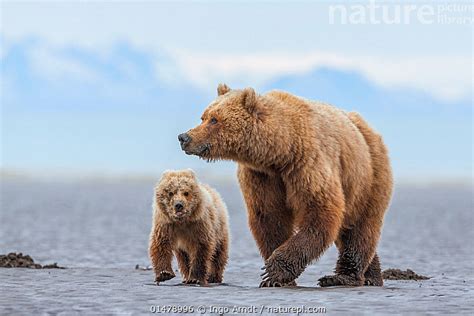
(99, 230)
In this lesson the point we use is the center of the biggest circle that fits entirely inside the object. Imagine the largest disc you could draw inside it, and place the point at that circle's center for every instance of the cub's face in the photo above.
(177, 194)
(226, 125)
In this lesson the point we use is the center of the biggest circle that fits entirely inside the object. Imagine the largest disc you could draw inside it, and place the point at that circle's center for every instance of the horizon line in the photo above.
(108, 175)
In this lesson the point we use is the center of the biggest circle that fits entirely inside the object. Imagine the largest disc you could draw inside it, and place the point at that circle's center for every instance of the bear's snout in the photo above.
(184, 139)
(178, 206)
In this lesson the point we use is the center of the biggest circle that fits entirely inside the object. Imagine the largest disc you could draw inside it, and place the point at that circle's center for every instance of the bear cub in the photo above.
(190, 220)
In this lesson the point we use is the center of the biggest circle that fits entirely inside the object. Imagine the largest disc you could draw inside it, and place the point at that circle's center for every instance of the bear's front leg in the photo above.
(270, 220)
(318, 224)
(200, 265)
(161, 255)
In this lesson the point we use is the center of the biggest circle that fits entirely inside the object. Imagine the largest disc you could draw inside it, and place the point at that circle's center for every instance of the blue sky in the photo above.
(105, 87)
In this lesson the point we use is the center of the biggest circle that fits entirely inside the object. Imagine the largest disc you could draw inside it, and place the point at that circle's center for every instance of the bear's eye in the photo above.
(213, 120)
(171, 194)
(186, 193)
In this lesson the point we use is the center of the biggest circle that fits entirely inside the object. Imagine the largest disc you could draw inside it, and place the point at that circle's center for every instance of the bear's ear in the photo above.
(166, 174)
(189, 172)
(249, 99)
(222, 89)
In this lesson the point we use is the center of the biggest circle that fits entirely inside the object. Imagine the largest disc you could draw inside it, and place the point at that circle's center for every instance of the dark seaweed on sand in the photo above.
(18, 260)
(397, 274)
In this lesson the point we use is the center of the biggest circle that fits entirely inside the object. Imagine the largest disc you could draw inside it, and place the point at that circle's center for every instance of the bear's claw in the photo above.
(329, 280)
(195, 281)
(277, 284)
(276, 273)
(270, 283)
(373, 282)
(214, 280)
(164, 276)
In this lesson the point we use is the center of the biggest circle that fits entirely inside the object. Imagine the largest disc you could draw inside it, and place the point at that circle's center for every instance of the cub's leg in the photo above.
(356, 252)
(199, 264)
(183, 263)
(219, 261)
(319, 219)
(270, 220)
(161, 254)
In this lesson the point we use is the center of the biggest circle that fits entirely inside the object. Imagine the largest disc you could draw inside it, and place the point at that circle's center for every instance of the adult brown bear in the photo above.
(311, 175)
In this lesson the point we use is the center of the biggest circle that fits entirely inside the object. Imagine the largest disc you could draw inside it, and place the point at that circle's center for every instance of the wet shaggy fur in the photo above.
(197, 233)
(311, 175)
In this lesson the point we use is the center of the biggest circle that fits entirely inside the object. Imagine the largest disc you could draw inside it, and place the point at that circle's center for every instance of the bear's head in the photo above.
(178, 195)
(228, 125)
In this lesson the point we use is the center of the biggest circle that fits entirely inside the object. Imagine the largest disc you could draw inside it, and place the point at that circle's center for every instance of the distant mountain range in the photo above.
(126, 118)
(426, 137)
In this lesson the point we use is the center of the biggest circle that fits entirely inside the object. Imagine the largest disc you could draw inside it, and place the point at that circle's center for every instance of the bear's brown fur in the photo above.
(189, 219)
(311, 175)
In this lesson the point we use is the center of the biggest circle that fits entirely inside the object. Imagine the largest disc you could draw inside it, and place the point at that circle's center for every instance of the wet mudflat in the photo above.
(99, 231)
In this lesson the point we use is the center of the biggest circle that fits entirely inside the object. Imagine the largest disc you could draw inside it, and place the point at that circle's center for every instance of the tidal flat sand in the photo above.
(99, 229)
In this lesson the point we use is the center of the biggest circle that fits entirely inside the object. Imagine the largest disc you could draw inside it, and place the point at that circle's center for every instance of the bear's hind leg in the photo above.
(183, 263)
(219, 261)
(373, 274)
(356, 252)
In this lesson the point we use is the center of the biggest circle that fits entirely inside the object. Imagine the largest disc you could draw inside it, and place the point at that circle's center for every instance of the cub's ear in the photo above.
(189, 172)
(166, 174)
(222, 89)
(249, 99)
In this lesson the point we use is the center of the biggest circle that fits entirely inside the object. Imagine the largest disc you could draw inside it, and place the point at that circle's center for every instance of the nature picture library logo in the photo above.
(382, 12)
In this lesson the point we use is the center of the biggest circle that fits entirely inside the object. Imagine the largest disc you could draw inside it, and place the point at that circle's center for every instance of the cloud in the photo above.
(123, 103)
(55, 65)
(448, 79)
(246, 47)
